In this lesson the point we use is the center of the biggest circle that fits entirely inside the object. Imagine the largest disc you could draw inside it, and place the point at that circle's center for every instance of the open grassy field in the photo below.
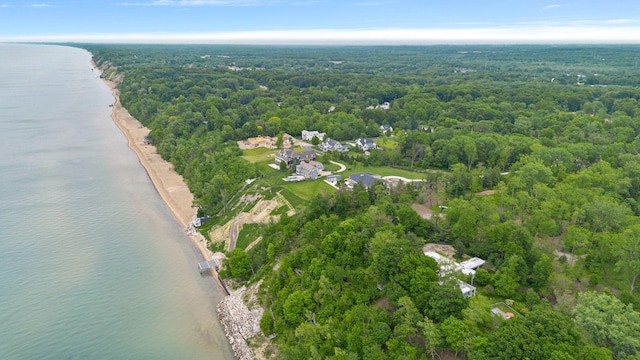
(259, 155)
(306, 190)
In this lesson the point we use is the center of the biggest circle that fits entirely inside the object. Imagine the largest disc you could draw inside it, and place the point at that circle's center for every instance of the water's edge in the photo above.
(135, 132)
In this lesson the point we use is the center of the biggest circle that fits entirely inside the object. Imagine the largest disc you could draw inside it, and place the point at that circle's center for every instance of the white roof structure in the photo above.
(447, 265)
(473, 263)
(467, 290)
(467, 267)
(435, 256)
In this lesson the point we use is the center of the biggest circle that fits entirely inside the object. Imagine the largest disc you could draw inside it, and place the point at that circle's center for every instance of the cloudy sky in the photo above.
(322, 21)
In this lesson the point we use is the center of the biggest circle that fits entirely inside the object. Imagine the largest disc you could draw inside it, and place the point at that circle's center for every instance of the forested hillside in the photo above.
(529, 156)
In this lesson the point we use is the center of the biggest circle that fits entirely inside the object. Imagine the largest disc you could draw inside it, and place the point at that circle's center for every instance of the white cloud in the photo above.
(605, 22)
(507, 35)
(620, 21)
(40, 5)
(554, 6)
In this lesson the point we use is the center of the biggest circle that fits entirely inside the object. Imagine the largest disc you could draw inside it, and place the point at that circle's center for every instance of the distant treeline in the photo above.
(562, 121)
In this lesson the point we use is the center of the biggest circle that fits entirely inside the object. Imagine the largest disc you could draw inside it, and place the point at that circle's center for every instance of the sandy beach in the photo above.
(169, 184)
(238, 321)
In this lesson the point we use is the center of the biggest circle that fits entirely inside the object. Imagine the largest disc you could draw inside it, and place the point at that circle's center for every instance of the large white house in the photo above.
(333, 145)
(365, 144)
(308, 135)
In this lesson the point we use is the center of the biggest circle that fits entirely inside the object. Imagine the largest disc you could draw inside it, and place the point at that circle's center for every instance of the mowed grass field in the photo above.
(259, 155)
(300, 193)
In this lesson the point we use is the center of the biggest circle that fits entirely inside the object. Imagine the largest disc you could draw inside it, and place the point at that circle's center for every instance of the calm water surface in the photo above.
(92, 264)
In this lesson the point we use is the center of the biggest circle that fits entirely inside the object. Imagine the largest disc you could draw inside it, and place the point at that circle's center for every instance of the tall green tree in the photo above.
(609, 323)
(457, 334)
(627, 251)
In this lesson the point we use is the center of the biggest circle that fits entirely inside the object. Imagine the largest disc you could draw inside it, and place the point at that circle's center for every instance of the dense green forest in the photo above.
(530, 161)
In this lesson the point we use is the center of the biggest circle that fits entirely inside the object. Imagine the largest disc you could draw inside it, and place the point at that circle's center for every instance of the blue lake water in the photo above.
(92, 264)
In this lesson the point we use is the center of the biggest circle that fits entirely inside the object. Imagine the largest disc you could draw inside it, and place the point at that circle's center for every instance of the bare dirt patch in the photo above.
(446, 250)
(423, 210)
(383, 302)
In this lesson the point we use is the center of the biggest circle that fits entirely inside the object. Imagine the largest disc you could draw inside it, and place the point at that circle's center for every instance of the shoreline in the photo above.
(175, 193)
(171, 187)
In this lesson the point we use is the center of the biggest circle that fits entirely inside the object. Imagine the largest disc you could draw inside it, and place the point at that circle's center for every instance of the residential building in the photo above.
(448, 267)
(365, 179)
(386, 128)
(466, 289)
(310, 170)
(334, 178)
(308, 135)
(467, 267)
(289, 156)
(365, 144)
(286, 155)
(333, 145)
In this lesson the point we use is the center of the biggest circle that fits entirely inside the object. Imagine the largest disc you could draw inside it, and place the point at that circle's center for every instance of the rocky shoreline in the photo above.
(239, 322)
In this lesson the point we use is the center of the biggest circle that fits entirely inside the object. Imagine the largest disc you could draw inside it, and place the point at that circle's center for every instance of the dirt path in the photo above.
(233, 237)
(253, 243)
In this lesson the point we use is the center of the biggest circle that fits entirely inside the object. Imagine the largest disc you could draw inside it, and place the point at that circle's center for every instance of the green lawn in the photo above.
(248, 234)
(306, 190)
(383, 171)
(330, 167)
(259, 155)
(292, 198)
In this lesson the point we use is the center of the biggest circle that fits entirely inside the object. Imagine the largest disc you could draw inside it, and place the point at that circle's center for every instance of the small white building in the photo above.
(467, 290)
(334, 178)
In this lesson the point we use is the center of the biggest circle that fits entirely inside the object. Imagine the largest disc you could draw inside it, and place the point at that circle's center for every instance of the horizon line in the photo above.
(442, 36)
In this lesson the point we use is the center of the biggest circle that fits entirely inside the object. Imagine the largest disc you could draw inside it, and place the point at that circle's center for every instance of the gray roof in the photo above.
(366, 179)
(331, 142)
